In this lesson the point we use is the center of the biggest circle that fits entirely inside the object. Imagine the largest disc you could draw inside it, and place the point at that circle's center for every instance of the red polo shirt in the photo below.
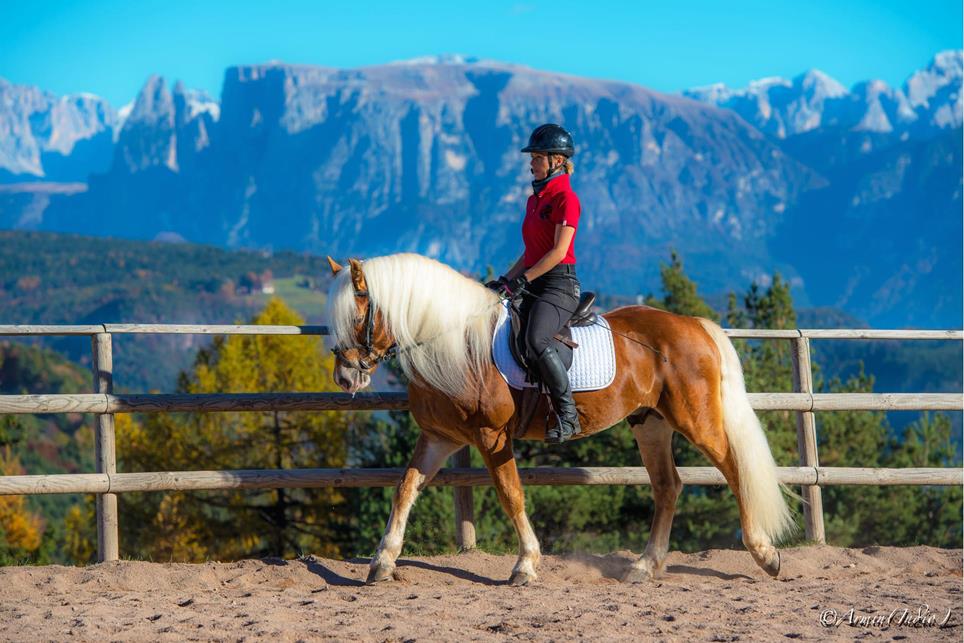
(556, 204)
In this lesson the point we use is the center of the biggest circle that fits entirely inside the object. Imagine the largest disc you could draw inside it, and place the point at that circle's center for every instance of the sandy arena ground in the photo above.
(709, 596)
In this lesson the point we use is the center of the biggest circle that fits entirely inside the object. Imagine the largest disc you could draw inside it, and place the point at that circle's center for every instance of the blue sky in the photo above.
(109, 48)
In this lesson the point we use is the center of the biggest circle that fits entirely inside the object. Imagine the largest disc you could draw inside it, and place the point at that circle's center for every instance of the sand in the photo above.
(708, 596)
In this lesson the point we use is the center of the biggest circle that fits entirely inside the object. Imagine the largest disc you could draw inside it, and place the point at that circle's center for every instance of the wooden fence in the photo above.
(106, 482)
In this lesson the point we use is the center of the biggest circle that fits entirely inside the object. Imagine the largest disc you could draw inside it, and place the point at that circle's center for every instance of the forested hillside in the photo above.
(69, 279)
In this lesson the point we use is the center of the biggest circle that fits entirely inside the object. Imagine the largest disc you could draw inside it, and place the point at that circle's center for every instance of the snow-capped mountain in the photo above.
(885, 229)
(935, 93)
(929, 100)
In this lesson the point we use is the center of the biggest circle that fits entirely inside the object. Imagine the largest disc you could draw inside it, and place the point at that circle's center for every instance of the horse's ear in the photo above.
(335, 266)
(357, 276)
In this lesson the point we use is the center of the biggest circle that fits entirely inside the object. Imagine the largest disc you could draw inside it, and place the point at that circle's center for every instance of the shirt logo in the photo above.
(545, 212)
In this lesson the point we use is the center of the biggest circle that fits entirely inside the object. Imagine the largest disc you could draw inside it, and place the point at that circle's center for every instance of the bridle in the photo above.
(370, 360)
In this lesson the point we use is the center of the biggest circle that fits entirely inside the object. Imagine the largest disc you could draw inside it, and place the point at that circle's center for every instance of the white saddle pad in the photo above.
(593, 363)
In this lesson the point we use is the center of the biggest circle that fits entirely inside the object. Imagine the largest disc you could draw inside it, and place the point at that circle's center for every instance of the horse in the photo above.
(673, 373)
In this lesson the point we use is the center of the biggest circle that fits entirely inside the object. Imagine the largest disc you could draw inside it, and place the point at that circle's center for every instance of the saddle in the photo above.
(582, 316)
(530, 397)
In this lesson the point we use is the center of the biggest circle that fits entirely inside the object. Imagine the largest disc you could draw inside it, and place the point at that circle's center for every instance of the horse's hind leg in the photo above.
(495, 445)
(709, 436)
(430, 453)
(654, 437)
(755, 539)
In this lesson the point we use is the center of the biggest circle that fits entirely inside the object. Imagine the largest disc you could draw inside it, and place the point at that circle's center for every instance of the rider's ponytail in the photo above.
(566, 163)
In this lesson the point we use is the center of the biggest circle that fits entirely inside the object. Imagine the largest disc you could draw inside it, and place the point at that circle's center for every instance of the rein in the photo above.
(371, 360)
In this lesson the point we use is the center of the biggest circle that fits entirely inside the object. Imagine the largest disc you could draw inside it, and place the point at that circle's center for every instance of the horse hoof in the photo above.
(637, 575)
(773, 566)
(521, 578)
(379, 573)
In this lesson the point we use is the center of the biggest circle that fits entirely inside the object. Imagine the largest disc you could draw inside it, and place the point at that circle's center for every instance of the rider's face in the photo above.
(539, 165)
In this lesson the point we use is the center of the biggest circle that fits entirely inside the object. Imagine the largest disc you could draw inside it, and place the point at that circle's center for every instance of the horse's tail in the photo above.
(760, 488)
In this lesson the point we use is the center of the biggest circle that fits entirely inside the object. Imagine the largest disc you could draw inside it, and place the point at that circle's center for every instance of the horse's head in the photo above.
(370, 341)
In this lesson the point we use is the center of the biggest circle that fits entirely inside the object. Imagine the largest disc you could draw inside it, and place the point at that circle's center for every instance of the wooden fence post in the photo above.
(464, 510)
(807, 441)
(103, 368)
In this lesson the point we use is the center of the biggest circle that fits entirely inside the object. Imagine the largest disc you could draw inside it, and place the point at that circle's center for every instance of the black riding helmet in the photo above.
(550, 139)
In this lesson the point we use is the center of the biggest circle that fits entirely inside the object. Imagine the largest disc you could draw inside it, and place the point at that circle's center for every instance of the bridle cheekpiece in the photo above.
(370, 360)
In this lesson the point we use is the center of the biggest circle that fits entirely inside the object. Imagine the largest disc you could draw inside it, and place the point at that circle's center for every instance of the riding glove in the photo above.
(512, 288)
(495, 284)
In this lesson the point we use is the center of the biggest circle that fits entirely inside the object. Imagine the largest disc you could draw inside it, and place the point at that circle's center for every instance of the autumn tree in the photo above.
(37, 445)
(240, 523)
(20, 528)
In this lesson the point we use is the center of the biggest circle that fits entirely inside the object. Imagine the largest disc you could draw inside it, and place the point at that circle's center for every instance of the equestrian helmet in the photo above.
(550, 139)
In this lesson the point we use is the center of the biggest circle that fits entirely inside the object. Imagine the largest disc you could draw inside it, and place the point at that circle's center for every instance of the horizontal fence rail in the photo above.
(348, 478)
(226, 402)
(241, 329)
(106, 482)
(163, 329)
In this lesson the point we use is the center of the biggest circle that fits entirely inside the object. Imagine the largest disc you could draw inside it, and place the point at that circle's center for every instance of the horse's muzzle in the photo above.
(350, 379)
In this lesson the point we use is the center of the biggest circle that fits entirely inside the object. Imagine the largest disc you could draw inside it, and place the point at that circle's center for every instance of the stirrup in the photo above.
(556, 435)
(562, 431)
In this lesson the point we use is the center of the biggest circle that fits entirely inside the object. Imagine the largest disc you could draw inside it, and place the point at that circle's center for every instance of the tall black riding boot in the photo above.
(556, 379)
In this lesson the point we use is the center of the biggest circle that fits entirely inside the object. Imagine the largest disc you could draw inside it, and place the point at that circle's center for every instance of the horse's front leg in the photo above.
(430, 454)
(496, 448)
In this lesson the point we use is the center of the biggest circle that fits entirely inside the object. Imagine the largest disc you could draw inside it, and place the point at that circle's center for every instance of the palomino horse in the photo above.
(441, 324)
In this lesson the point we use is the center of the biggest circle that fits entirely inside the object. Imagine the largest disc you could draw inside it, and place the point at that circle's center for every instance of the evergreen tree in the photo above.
(679, 292)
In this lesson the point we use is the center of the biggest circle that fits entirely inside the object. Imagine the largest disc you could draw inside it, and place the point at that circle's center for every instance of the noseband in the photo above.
(370, 360)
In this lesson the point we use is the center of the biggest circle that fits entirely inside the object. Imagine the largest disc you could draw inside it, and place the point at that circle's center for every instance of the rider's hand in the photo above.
(496, 284)
(512, 288)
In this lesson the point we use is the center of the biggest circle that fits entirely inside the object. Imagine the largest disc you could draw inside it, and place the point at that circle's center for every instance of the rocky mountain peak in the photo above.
(154, 104)
(818, 85)
(40, 128)
(165, 128)
(935, 92)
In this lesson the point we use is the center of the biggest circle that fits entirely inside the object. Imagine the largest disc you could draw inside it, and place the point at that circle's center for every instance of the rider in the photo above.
(547, 268)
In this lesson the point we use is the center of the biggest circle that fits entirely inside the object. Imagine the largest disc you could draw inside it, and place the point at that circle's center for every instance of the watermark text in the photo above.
(919, 616)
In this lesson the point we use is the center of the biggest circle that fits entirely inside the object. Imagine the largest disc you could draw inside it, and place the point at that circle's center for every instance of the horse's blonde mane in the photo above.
(441, 319)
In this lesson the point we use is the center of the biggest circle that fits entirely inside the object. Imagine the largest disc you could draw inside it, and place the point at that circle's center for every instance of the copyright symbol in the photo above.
(828, 617)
